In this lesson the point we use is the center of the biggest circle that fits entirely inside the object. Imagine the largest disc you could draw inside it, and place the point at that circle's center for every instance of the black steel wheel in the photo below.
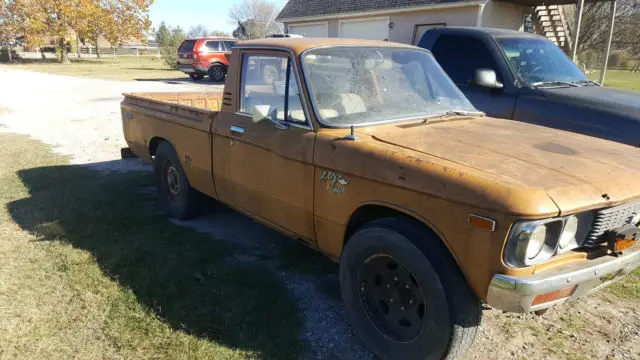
(392, 298)
(178, 199)
(405, 295)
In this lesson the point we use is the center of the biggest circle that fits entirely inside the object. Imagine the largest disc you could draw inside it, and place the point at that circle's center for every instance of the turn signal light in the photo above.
(482, 222)
(553, 296)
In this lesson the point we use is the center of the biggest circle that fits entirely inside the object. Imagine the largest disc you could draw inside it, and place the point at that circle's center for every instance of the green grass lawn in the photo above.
(113, 68)
(619, 79)
(90, 270)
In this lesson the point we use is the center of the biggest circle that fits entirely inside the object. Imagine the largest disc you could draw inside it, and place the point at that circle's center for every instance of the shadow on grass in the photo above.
(188, 280)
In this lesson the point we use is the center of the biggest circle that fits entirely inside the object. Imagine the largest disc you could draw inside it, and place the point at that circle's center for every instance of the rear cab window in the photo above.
(460, 56)
(266, 80)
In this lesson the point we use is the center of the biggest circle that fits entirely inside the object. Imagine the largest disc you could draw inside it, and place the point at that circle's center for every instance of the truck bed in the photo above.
(206, 100)
(183, 119)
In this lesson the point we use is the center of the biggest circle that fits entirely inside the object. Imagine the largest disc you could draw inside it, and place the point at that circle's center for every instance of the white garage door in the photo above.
(310, 30)
(369, 29)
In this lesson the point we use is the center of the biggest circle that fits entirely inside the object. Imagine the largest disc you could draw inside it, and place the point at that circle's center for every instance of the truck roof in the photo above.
(299, 45)
(493, 32)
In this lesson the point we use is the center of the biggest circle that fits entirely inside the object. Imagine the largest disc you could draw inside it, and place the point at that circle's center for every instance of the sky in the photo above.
(187, 13)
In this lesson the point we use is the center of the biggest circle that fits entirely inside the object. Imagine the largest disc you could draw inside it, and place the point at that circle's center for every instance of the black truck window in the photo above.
(461, 56)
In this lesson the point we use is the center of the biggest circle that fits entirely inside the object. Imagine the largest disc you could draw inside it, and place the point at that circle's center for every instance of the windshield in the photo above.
(363, 85)
(539, 61)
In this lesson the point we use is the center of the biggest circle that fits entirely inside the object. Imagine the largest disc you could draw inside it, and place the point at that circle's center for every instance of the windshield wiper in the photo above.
(453, 113)
(552, 83)
(586, 82)
(465, 113)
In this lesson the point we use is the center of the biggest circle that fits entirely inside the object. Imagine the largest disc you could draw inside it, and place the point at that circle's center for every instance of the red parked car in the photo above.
(205, 56)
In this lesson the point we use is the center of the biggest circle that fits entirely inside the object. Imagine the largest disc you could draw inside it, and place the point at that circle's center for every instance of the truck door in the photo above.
(271, 164)
(460, 56)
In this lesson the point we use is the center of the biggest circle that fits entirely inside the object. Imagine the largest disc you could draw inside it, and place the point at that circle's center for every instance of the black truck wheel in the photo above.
(405, 295)
(177, 198)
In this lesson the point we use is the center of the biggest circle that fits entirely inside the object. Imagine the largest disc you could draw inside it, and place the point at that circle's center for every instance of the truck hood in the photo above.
(575, 171)
(621, 102)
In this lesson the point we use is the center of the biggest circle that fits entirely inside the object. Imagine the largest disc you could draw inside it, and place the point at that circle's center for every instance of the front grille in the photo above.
(609, 219)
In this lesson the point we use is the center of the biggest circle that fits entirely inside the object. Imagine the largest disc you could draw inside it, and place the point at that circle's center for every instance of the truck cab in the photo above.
(525, 77)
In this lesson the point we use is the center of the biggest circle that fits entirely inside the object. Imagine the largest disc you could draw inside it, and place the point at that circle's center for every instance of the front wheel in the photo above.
(406, 297)
(178, 199)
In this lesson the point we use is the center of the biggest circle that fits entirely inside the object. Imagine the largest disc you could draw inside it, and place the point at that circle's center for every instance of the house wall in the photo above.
(503, 15)
(404, 23)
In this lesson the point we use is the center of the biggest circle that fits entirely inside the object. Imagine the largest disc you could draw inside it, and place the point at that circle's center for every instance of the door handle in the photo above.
(237, 130)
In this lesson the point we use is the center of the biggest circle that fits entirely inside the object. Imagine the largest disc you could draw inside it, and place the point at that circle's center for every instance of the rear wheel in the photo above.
(177, 198)
(216, 73)
(196, 77)
(406, 297)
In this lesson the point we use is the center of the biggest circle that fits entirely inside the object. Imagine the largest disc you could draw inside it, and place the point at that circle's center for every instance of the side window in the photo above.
(264, 82)
(450, 52)
(213, 46)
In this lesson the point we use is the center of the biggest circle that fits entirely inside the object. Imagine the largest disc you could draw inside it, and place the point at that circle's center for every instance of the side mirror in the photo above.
(267, 112)
(487, 78)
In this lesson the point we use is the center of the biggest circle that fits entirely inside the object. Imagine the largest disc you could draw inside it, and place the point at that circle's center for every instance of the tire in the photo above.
(196, 77)
(270, 74)
(217, 73)
(181, 202)
(451, 313)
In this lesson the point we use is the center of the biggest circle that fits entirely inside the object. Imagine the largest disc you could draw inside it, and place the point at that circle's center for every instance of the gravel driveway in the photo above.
(80, 117)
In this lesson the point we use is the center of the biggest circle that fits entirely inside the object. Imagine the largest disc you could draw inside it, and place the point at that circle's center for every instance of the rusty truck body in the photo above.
(367, 152)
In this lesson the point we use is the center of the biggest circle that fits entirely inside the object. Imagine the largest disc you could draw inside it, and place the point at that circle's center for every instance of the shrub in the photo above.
(169, 40)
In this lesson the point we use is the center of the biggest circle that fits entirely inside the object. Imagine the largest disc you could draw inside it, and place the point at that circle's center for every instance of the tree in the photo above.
(595, 26)
(46, 18)
(115, 20)
(130, 20)
(255, 19)
(218, 33)
(169, 40)
(97, 21)
(197, 31)
(10, 21)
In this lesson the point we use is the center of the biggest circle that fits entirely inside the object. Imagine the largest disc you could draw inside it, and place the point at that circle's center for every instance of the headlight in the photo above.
(532, 242)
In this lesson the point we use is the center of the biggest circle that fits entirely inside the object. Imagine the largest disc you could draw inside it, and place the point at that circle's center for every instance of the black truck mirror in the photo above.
(487, 78)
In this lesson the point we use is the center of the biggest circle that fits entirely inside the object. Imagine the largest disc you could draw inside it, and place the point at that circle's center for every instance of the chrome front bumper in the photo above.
(516, 294)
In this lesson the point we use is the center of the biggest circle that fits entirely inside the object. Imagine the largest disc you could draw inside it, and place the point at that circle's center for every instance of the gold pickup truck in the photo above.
(367, 152)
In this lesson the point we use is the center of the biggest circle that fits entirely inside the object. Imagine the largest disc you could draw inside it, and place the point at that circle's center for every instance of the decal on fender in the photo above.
(335, 182)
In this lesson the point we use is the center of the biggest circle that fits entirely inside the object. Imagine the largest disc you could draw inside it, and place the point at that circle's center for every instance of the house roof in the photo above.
(314, 8)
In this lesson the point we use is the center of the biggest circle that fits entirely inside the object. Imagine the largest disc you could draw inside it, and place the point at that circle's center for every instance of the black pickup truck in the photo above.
(526, 77)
